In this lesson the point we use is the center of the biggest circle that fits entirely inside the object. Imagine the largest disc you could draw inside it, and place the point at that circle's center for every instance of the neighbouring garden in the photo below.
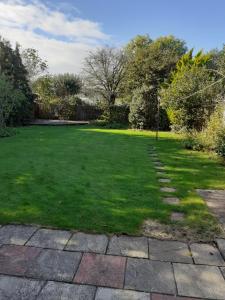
(100, 177)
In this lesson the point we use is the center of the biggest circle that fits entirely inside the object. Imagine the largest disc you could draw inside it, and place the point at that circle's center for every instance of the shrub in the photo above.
(212, 137)
(10, 101)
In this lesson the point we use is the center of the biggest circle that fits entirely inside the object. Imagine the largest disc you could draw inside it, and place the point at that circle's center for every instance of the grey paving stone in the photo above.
(54, 265)
(199, 281)
(115, 294)
(15, 259)
(171, 200)
(128, 246)
(164, 180)
(159, 167)
(221, 246)
(159, 173)
(169, 251)
(96, 243)
(167, 189)
(149, 276)
(16, 234)
(14, 288)
(65, 291)
(206, 254)
(177, 216)
(48, 238)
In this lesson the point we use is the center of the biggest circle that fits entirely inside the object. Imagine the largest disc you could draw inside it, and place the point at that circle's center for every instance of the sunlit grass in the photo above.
(101, 180)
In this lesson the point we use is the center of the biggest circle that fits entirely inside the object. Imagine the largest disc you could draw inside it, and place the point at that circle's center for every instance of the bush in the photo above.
(10, 102)
(212, 138)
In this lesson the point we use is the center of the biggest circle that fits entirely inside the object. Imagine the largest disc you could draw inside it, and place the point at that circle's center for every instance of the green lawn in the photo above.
(101, 180)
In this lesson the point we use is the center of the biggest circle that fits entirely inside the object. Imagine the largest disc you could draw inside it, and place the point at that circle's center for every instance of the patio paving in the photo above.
(44, 264)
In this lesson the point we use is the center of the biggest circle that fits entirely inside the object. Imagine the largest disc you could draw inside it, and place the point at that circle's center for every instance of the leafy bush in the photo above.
(11, 100)
(212, 138)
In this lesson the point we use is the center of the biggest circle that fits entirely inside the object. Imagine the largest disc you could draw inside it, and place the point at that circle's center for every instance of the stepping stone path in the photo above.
(160, 168)
(43, 264)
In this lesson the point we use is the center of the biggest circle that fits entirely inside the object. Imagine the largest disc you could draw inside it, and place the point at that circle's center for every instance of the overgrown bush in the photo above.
(212, 137)
(11, 100)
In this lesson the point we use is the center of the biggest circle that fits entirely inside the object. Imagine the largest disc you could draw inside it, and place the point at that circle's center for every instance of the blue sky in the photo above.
(65, 31)
(200, 22)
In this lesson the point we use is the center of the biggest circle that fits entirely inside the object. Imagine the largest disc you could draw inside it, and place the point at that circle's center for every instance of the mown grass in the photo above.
(101, 180)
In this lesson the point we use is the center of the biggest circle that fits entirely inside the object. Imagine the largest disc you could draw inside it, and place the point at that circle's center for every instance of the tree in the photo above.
(33, 63)
(104, 72)
(148, 65)
(67, 85)
(56, 94)
(186, 97)
(10, 101)
(11, 65)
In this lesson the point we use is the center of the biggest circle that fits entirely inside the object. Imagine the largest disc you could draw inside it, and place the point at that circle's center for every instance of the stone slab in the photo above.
(116, 294)
(55, 265)
(177, 216)
(221, 246)
(15, 288)
(48, 238)
(171, 200)
(199, 281)
(205, 254)
(172, 251)
(167, 189)
(16, 234)
(164, 180)
(159, 173)
(169, 297)
(149, 276)
(15, 260)
(103, 270)
(159, 167)
(96, 243)
(128, 246)
(65, 291)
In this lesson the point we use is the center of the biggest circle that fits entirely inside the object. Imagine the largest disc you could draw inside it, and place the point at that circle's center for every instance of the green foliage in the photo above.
(33, 63)
(11, 100)
(212, 137)
(148, 66)
(187, 107)
(11, 65)
(56, 95)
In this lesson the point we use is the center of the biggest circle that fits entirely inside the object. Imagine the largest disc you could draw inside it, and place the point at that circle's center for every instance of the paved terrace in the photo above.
(45, 264)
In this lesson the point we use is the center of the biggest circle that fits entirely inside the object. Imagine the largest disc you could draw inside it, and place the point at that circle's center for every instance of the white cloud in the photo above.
(36, 25)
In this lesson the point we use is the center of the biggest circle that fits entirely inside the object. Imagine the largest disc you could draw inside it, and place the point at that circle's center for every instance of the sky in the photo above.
(65, 31)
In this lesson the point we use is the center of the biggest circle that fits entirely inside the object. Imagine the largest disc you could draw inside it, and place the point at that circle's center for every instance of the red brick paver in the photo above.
(103, 270)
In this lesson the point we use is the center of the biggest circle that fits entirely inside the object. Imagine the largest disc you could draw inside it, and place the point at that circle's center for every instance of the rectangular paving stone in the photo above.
(221, 246)
(199, 281)
(103, 270)
(14, 288)
(65, 291)
(116, 294)
(54, 265)
(169, 251)
(177, 216)
(164, 180)
(171, 200)
(169, 297)
(205, 254)
(96, 243)
(149, 276)
(167, 189)
(128, 246)
(48, 238)
(16, 234)
(15, 260)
